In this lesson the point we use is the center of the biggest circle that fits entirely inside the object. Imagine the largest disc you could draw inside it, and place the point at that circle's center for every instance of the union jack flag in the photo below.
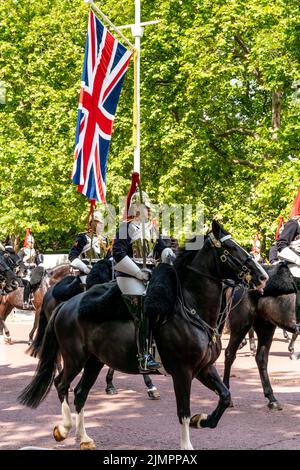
(105, 63)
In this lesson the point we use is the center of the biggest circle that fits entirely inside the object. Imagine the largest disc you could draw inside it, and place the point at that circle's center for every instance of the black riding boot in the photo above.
(297, 282)
(146, 361)
(26, 294)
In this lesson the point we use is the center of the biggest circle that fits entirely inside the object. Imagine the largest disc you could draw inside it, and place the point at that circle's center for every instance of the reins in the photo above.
(191, 313)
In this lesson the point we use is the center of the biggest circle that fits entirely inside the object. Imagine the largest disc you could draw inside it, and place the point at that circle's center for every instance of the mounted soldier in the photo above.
(273, 253)
(33, 262)
(288, 245)
(90, 245)
(136, 249)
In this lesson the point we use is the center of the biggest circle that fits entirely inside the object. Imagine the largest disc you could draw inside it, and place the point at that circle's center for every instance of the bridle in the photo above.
(238, 267)
(243, 273)
(5, 288)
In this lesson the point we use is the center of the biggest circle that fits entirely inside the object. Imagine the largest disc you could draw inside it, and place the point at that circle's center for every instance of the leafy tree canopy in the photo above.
(220, 108)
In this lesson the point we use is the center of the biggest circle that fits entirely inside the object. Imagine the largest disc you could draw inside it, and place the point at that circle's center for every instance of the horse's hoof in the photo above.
(111, 391)
(153, 394)
(88, 445)
(8, 340)
(275, 406)
(196, 420)
(295, 356)
(57, 435)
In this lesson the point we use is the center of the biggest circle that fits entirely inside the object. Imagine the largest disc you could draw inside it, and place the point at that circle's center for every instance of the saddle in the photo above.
(94, 302)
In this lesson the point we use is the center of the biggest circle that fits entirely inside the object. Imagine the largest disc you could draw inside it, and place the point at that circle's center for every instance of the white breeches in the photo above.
(131, 286)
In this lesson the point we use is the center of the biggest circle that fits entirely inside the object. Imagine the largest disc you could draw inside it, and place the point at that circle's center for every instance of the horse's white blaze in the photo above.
(185, 443)
(80, 429)
(66, 423)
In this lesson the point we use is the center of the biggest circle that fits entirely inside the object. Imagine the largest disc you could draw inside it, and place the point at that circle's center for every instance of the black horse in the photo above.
(277, 307)
(183, 303)
(64, 290)
(8, 278)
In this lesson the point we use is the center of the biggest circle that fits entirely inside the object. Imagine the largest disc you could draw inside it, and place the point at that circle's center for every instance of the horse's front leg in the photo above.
(211, 379)
(3, 329)
(236, 336)
(291, 346)
(89, 376)
(265, 332)
(182, 387)
(7, 337)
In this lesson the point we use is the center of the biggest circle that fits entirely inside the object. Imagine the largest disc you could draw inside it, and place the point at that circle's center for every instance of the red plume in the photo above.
(280, 225)
(296, 204)
(135, 179)
(91, 209)
(26, 237)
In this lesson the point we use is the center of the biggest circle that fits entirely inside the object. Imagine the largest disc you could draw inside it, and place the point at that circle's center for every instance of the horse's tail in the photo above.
(35, 347)
(37, 390)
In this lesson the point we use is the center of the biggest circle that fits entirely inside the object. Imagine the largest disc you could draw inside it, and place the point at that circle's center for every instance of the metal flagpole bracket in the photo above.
(94, 6)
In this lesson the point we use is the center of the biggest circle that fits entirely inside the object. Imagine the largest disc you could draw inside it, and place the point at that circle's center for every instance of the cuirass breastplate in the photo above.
(30, 256)
(136, 234)
(95, 248)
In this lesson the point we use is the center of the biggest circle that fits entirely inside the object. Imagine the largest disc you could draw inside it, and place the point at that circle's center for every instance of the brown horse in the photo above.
(14, 299)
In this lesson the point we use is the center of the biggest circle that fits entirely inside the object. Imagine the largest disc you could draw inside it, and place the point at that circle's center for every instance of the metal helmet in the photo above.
(97, 216)
(30, 239)
(135, 203)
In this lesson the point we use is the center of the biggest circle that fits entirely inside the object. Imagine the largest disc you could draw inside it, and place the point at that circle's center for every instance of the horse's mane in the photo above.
(58, 268)
(184, 256)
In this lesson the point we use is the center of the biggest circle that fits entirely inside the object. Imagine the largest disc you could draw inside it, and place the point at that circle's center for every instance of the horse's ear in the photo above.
(216, 229)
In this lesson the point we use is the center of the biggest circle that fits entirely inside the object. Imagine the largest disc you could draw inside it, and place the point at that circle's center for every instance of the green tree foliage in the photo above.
(219, 112)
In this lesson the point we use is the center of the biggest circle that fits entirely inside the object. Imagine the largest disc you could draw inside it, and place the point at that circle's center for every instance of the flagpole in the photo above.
(137, 33)
(94, 6)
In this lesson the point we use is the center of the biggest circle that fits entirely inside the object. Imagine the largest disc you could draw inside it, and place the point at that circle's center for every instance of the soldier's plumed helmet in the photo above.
(98, 216)
(136, 202)
(30, 239)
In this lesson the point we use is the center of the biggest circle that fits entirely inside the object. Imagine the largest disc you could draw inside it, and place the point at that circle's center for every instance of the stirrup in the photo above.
(147, 363)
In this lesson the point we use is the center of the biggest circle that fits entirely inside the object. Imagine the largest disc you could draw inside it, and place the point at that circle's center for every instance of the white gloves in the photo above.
(143, 275)
(128, 266)
(78, 264)
(168, 256)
